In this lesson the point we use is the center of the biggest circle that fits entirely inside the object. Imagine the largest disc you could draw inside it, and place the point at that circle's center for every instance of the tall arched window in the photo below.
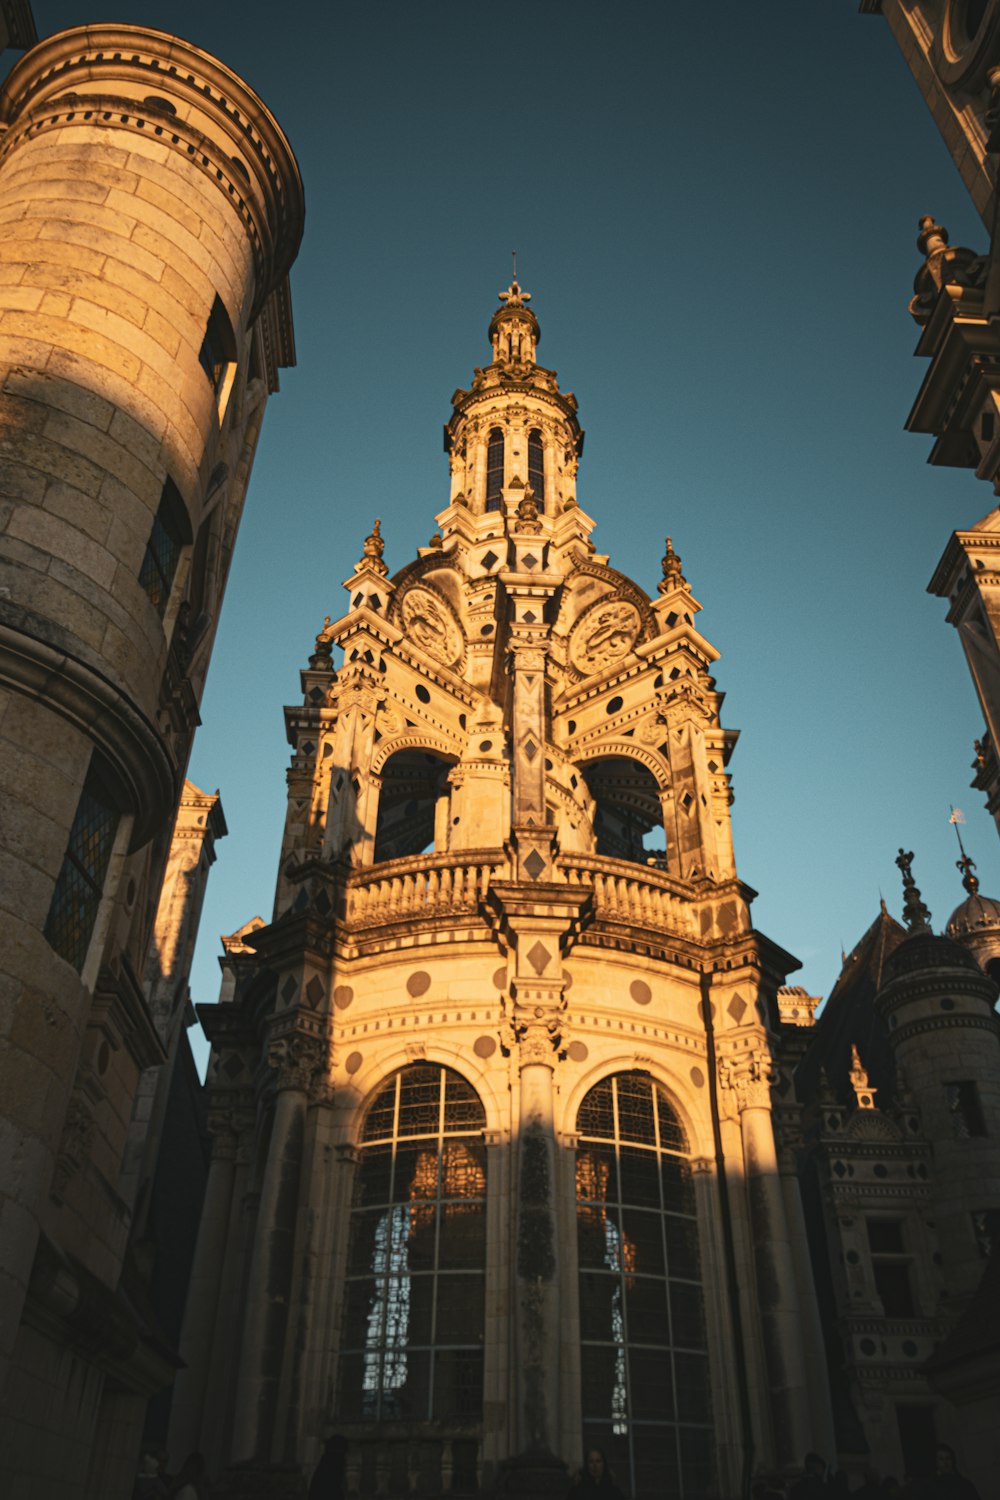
(414, 1309)
(494, 469)
(644, 1377)
(536, 466)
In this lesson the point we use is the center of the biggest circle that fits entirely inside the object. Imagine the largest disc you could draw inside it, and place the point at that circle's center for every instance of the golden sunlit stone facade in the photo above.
(150, 209)
(508, 1022)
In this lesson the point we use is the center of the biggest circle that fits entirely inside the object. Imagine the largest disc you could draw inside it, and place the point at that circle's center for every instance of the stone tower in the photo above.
(150, 209)
(494, 1084)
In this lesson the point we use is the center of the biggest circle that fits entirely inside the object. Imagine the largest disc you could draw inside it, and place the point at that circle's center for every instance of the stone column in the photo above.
(295, 1058)
(536, 1263)
(774, 1266)
(199, 1325)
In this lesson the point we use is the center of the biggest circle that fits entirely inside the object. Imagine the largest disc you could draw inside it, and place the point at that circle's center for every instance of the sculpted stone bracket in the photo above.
(748, 1075)
(299, 1059)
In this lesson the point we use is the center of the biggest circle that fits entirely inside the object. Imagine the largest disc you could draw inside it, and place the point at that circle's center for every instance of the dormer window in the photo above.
(494, 469)
(536, 466)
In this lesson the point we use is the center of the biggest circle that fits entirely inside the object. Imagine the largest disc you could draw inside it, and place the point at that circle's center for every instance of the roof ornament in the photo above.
(673, 578)
(944, 265)
(863, 1092)
(965, 864)
(513, 296)
(322, 658)
(371, 556)
(915, 913)
(527, 512)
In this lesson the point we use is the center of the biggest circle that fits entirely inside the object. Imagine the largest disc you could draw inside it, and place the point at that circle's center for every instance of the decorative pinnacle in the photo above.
(322, 658)
(863, 1092)
(672, 576)
(513, 296)
(915, 913)
(372, 552)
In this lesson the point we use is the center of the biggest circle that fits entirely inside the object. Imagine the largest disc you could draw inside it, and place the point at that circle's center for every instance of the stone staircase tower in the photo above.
(511, 956)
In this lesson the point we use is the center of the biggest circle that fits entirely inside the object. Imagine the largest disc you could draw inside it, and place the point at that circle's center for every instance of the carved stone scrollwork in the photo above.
(749, 1075)
(538, 1041)
(430, 625)
(606, 632)
(300, 1062)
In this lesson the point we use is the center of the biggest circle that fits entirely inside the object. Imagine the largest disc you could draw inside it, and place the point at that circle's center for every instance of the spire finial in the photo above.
(965, 864)
(915, 913)
(371, 556)
(672, 576)
(322, 657)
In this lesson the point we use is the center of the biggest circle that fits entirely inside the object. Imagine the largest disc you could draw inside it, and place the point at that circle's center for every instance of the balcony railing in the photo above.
(636, 895)
(421, 886)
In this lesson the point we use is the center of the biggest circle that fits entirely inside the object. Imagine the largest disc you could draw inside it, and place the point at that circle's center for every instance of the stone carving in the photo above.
(604, 635)
(749, 1075)
(300, 1062)
(430, 625)
(371, 556)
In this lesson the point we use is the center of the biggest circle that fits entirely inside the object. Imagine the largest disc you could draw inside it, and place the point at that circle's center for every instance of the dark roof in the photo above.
(849, 1017)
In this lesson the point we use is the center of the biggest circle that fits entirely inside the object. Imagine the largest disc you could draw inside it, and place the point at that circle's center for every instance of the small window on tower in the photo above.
(494, 469)
(964, 1108)
(170, 531)
(69, 925)
(536, 466)
(218, 353)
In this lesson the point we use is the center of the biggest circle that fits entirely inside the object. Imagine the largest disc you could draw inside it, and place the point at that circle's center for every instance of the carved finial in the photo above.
(672, 576)
(371, 556)
(513, 296)
(527, 512)
(436, 541)
(980, 749)
(322, 657)
(944, 264)
(915, 913)
(863, 1093)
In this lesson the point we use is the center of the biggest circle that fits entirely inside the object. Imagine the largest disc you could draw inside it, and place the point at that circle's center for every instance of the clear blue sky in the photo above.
(715, 208)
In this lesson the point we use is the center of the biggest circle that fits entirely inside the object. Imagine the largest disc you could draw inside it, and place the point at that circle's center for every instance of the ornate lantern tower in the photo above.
(497, 1086)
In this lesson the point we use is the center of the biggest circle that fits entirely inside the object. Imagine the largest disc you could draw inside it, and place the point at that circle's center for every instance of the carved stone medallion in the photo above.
(430, 626)
(604, 635)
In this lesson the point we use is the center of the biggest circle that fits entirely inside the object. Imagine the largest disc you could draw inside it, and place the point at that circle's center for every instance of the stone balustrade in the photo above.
(638, 895)
(420, 886)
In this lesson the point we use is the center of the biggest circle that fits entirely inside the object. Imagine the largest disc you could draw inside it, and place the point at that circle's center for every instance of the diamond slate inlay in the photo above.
(530, 560)
(315, 990)
(534, 864)
(531, 750)
(289, 989)
(489, 560)
(737, 1008)
(539, 956)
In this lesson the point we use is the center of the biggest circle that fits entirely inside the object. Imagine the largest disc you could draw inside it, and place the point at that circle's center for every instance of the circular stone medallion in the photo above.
(604, 635)
(430, 625)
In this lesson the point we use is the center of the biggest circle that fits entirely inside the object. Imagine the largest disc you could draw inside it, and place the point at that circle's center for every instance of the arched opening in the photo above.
(628, 818)
(415, 1297)
(494, 469)
(536, 466)
(644, 1376)
(413, 805)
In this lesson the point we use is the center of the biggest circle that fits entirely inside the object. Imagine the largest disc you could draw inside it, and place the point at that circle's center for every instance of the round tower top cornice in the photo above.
(163, 86)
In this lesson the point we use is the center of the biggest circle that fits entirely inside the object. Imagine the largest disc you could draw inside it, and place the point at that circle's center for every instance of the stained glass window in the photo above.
(645, 1387)
(77, 895)
(536, 466)
(494, 469)
(414, 1306)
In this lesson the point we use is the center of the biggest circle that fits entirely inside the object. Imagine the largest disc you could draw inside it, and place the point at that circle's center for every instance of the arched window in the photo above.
(494, 469)
(412, 805)
(628, 818)
(414, 1311)
(536, 466)
(644, 1378)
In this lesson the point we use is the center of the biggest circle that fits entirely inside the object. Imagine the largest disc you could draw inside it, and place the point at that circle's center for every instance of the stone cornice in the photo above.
(130, 744)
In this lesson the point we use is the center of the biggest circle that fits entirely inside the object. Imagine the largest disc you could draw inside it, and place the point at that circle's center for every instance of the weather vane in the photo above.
(965, 864)
(514, 258)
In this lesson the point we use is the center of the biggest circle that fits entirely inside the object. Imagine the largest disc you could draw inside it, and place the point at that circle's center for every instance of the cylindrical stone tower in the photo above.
(150, 209)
